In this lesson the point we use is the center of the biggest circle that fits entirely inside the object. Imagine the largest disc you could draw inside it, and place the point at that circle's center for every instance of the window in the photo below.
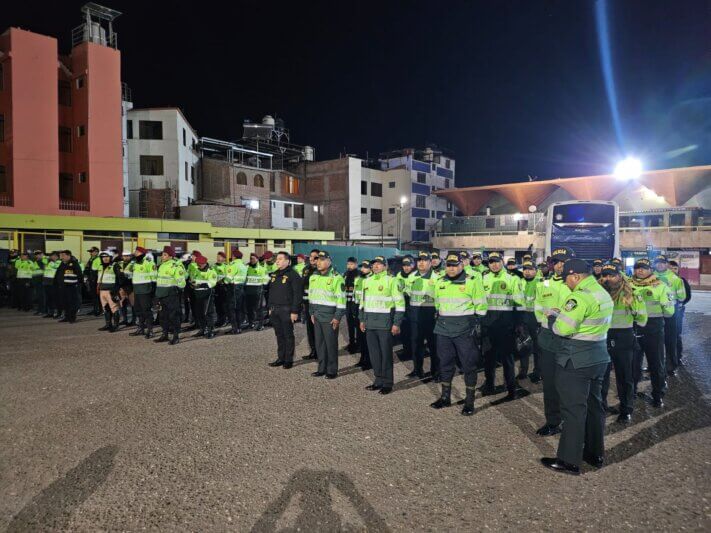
(391, 210)
(241, 178)
(376, 189)
(65, 140)
(150, 129)
(192, 174)
(185, 138)
(80, 82)
(82, 177)
(419, 223)
(272, 183)
(420, 201)
(151, 165)
(66, 186)
(65, 93)
(421, 177)
(186, 171)
(363, 187)
(432, 214)
(129, 129)
(299, 211)
(2, 128)
(279, 244)
(290, 185)
(288, 211)
(446, 183)
(376, 215)
(178, 236)
(363, 210)
(3, 180)
(391, 185)
(258, 180)
(490, 223)
(449, 206)
(81, 131)
(677, 219)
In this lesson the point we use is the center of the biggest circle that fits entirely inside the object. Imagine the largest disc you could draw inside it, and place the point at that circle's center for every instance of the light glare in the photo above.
(628, 169)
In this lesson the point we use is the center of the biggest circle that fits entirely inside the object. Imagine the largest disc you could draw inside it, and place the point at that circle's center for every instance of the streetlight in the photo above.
(629, 168)
(403, 201)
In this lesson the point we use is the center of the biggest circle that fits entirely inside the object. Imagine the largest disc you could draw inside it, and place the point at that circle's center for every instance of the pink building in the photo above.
(60, 121)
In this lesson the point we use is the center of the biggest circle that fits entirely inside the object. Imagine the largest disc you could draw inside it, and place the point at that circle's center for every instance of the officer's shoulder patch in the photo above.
(571, 304)
(639, 297)
(503, 286)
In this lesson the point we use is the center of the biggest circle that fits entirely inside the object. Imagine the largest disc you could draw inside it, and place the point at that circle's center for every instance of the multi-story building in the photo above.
(163, 158)
(60, 120)
(665, 211)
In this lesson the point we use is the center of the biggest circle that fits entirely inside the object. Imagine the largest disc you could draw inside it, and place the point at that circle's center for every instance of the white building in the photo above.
(126, 106)
(162, 154)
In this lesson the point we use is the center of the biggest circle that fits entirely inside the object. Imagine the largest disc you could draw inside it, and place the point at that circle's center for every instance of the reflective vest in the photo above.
(269, 268)
(204, 281)
(458, 300)
(502, 291)
(527, 290)
(220, 270)
(142, 273)
(41, 265)
(236, 272)
(421, 290)
(675, 284)
(171, 274)
(625, 316)
(550, 296)
(382, 304)
(51, 269)
(657, 298)
(358, 288)
(299, 268)
(327, 296)
(586, 314)
(25, 268)
(255, 275)
(107, 277)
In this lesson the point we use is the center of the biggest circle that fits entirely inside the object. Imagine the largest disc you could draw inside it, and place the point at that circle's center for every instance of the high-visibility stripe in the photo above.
(596, 321)
(589, 337)
(572, 323)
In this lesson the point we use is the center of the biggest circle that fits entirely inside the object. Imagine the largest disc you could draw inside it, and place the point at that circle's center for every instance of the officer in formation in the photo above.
(143, 273)
(404, 278)
(437, 267)
(126, 289)
(254, 288)
(49, 286)
(677, 292)
(285, 295)
(91, 273)
(68, 282)
(234, 283)
(25, 269)
(203, 283)
(349, 278)
(107, 284)
(365, 271)
(526, 323)
(420, 314)
(680, 311)
(170, 281)
(306, 274)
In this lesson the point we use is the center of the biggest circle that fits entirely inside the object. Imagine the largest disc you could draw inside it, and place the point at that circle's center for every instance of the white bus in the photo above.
(590, 229)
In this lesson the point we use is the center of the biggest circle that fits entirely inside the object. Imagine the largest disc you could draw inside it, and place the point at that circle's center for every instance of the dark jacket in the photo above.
(687, 288)
(285, 288)
(69, 273)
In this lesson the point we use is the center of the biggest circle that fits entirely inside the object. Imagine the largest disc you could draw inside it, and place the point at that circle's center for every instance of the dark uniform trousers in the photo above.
(502, 348)
(40, 299)
(547, 346)
(530, 324)
(310, 329)
(284, 330)
(169, 316)
(679, 315)
(70, 301)
(233, 305)
(582, 411)
(326, 347)
(405, 336)
(142, 308)
(352, 323)
(620, 346)
(220, 296)
(651, 342)
(253, 298)
(670, 341)
(50, 298)
(94, 293)
(380, 348)
(422, 324)
(363, 346)
(205, 309)
(187, 304)
(461, 348)
(24, 287)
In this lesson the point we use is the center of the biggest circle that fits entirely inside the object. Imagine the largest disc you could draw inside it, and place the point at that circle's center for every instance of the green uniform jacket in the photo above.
(458, 301)
(143, 275)
(502, 294)
(382, 303)
(170, 278)
(255, 278)
(108, 277)
(626, 316)
(42, 264)
(25, 268)
(204, 281)
(527, 290)
(675, 284)
(220, 269)
(50, 272)
(656, 297)
(421, 291)
(327, 296)
(299, 268)
(236, 272)
(582, 325)
(551, 295)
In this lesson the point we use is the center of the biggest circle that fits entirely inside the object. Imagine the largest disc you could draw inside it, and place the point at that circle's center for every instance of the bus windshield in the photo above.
(584, 213)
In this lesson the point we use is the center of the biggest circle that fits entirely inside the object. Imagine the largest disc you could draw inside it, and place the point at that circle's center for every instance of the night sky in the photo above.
(511, 87)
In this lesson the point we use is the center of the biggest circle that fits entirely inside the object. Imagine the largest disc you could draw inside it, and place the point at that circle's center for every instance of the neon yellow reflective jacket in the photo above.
(327, 296)
(383, 304)
(458, 301)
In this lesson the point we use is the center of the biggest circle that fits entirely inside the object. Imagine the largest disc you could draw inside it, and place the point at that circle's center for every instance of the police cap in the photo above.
(575, 266)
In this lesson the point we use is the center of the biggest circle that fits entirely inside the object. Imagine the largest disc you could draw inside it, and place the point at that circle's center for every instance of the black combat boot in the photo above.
(210, 333)
(107, 318)
(116, 320)
(138, 332)
(468, 409)
(174, 340)
(149, 332)
(445, 400)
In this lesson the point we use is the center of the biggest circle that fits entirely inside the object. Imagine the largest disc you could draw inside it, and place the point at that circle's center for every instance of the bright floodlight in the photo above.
(628, 169)
(254, 204)
(403, 200)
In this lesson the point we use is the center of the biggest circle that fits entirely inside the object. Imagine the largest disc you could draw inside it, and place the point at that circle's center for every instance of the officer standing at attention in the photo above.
(91, 274)
(37, 285)
(582, 361)
(25, 268)
(466, 263)
(204, 283)
(220, 291)
(597, 265)
(351, 306)
(680, 311)
(512, 269)
(502, 293)
(437, 267)
(421, 316)
(660, 305)
(309, 270)
(365, 271)
(678, 293)
(108, 287)
(477, 263)
(629, 309)
(143, 278)
(69, 275)
(458, 300)
(300, 264)
(381, 312)
(526, 322)
(50, 286)
(285, 293)
(253, 292)
(235, 278)
(404, 278)
(327, 305)
(170, 279)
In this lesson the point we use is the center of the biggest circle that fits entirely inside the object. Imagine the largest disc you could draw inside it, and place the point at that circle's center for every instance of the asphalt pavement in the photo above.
(104, 431)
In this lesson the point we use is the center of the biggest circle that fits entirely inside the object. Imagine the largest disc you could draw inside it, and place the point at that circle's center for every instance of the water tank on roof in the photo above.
(309, 153)
(268, 120)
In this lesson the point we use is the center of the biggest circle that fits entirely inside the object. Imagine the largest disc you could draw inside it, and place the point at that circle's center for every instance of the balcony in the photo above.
(73, 205)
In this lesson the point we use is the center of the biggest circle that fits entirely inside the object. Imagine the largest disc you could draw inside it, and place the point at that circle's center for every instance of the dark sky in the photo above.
(512, 87)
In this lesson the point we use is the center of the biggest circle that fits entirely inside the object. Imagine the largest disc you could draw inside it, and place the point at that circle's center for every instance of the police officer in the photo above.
(143, 279)
(220, 291)
(526, 323)
(660, 305)
(477, 264)
(37, 285)
(285, 293)
(597, 265)
(512, 268)
(381, 313)
(69, 276)
(235, 278)
(126, 289)
(582, 361)
(421, 316)
(629, 309)
(350, 277)
(678, 293)
(437, 267)
(187, 314)
(170, 279)
(551, 294)
(269, 268)
(404, 278)
(365, 271)
(108, 286)
(502, 293)
(543, 270)
(204, 282)
(300, 264)
(49, 285)
(25, 268)
(458, 299)
(253, 292)
(91, 273)
(327, 305)
(679, 311)
(308, 271)
(466, 263)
